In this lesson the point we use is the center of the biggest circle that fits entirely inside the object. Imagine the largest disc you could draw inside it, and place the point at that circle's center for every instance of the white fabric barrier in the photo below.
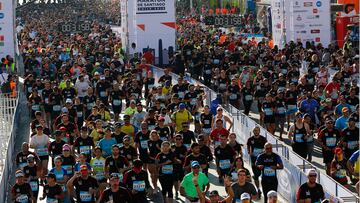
(295, 168)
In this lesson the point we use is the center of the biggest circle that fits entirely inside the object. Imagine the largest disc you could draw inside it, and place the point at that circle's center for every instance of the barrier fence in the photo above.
(295, 167)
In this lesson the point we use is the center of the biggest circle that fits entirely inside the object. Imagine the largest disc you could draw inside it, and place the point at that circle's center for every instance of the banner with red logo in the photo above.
(7, 29)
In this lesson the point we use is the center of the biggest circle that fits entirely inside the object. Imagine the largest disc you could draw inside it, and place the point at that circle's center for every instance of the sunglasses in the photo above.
(219, 110)
(178, 139)
(196, 167)
(312, 175)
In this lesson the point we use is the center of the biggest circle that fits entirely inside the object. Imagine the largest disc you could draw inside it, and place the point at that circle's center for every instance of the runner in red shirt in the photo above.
(219, 130)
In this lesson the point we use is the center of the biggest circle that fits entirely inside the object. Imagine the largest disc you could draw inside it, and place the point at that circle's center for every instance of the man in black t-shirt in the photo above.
(310, 191)
(115, 192)
(21, 191)
(85, 186)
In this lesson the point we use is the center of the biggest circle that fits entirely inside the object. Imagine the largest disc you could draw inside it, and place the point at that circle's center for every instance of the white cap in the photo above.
(68, 101)
(311, 172)
(102, 77)
(245, 196)
(64, 110)
(272, 193)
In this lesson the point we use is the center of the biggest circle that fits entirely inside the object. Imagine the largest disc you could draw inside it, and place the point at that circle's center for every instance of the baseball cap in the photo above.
(30, 157)
(114, 175)
(66, 147)
(96, 73)
(245, 196)
(182, 106)
(311, 172)
(345, 109)
(62, 128)
(19, 173)
(338, 150)
(84, 128)
(69, 101)
(272, 193)
(126, 137)
(57, 133)
(39, 126)
(83, 169)
(64, 110)
(51, 175)
(213, 193)
(194, 163)
(161, 118)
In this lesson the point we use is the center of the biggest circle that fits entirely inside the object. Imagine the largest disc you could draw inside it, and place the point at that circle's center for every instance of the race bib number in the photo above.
(233, 96)
(144, 144)
(151, 127)
(208, 72)
(51, 200)
(100, 175)
(206, 130)
(85, 149)
(222, 86)
(56, 108)
(330, 141)
(42, 151)
(68, 169)
(257, 151)
(225, 164)
(46, 100)
(268, 111)
(85, 196)
(167, 169)
(35, 107)
(34, 186)
(102, 94)
(352, 144)
(281, 110)
(268, 171)
(181, 95)
(299, 138)
(248, 97)
(116, 102)
(341, 173)
(193, 101)
(22, 198)
(79, 114)
(139, 186)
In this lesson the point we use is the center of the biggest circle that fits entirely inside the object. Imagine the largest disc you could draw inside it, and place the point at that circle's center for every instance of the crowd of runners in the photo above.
(112, 133)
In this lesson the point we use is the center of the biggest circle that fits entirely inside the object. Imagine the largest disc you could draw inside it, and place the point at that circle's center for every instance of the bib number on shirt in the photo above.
(85, 196)
(299, 138)
(56, 108)
(257, 151)
(51, 200)
(268, 111)
(34, 186)
(248, 97)
(330, 141)
(35, 107)
(144, 144)
(116, 102)
(85, 149)
(352, 144)
(269, 172)
(42, 151)
(224, 164)
(233, 96)
(167, 169)
(22, 198)
(139, 186)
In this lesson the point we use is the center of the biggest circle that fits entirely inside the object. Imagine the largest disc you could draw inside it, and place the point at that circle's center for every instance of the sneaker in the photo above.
(176, 195)
(259, 194)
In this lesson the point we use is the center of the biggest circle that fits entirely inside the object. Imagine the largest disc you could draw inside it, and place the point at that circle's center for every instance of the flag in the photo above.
(2, 40)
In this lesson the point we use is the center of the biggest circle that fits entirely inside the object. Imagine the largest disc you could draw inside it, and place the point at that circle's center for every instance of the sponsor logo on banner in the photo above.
(300, 11)
(308, 4)
(317, 39)
(299, 18)
(318, 4)
(315, 25)
(315, 31)
(2, 15)
(299, 25)
(301, 31)
(315, 10)
(278, 25)
(313, 17)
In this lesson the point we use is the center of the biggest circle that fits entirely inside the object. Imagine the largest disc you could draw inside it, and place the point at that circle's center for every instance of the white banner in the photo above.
(7, 29)
(155, 19)
(277, 15)
(310, 21)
